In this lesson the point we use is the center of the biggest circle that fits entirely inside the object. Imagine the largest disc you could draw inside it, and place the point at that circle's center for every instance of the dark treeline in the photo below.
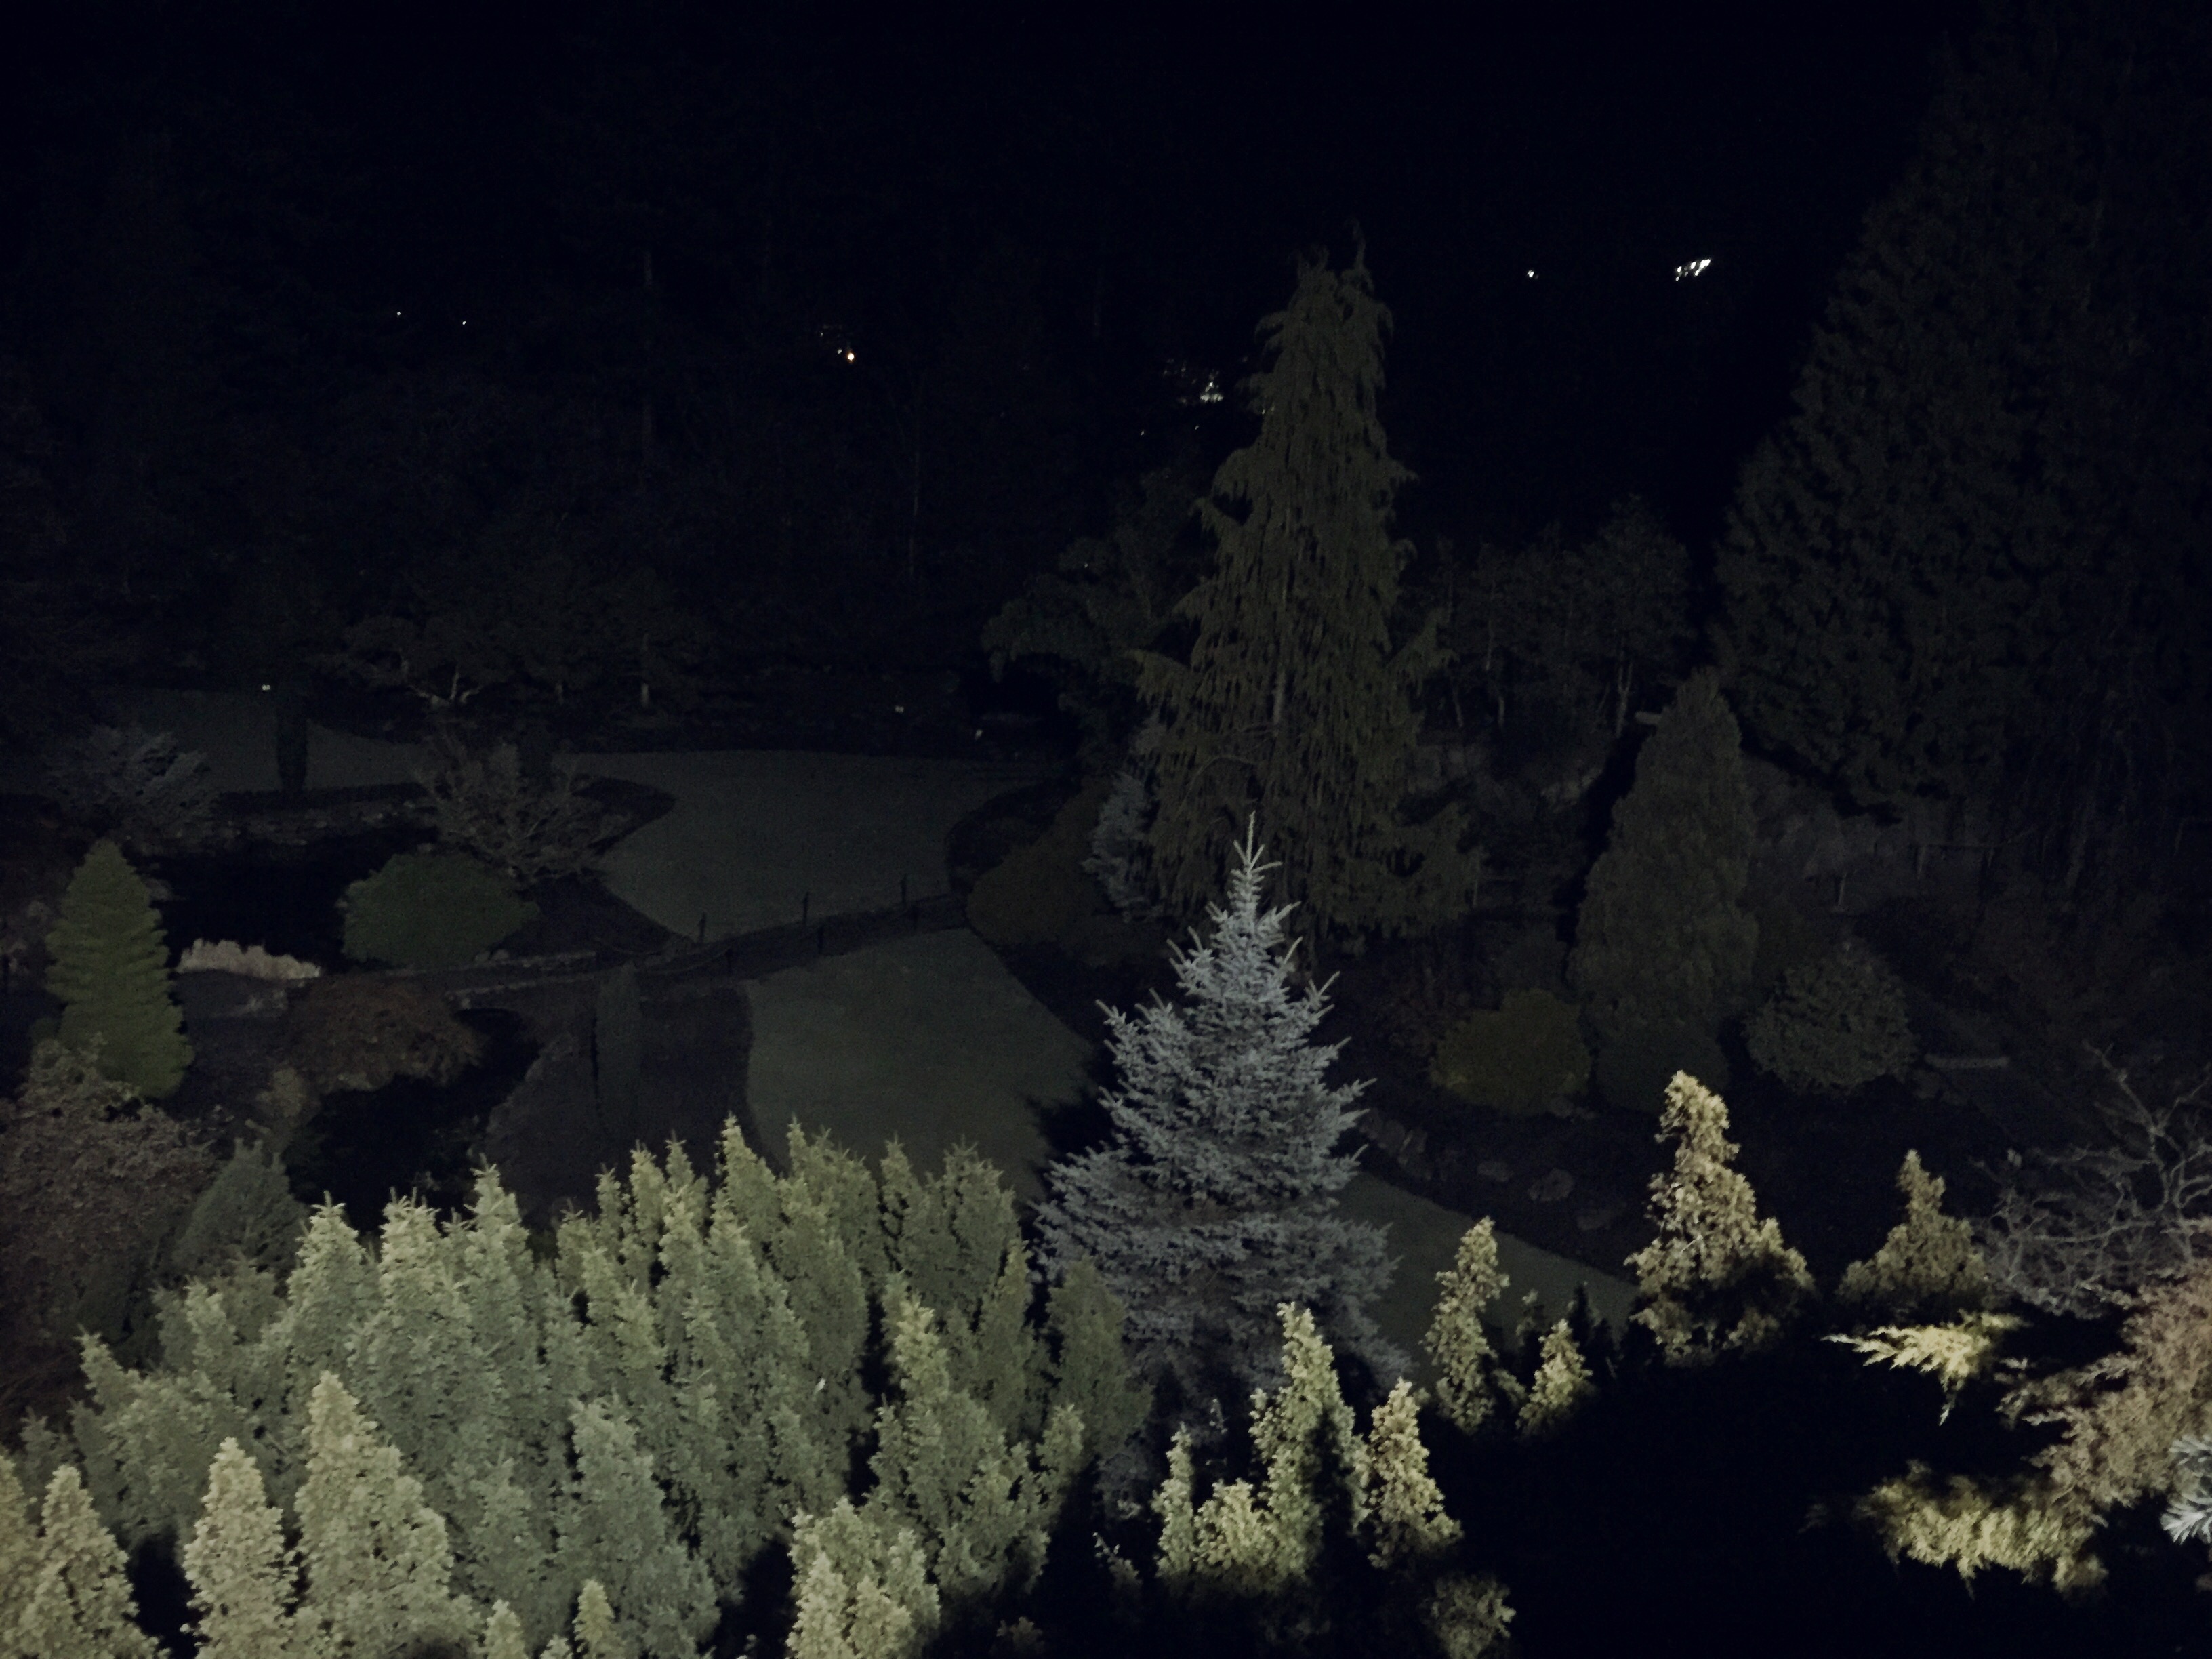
(814, 345)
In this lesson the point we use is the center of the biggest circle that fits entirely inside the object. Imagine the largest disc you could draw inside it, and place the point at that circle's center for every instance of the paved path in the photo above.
(929, 1037)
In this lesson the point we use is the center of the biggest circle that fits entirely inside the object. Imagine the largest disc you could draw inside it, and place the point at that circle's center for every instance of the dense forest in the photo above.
(1639, 603)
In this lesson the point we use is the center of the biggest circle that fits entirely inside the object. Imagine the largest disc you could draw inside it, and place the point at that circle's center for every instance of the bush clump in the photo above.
(430, 910)
(1040, 892)
(1634, 1069)
(1516, 1058)
(92, 1182)
(1836, 1023)
(359, 1033)
(487, 805)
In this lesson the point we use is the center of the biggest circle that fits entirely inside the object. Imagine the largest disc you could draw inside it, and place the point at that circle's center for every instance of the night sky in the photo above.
(362, 189)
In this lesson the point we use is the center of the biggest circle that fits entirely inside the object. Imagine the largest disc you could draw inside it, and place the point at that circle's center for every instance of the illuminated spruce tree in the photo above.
(1215, 1202)
(1296, 703)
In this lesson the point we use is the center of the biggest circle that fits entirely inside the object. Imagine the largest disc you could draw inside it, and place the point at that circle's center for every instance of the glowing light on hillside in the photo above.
(1695, 268)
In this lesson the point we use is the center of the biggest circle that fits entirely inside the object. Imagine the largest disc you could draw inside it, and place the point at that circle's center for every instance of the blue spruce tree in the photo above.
(1214, 1202)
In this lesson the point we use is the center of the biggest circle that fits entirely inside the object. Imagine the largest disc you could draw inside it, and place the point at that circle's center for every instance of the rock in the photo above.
(1551, 1186)
(1492, 1170)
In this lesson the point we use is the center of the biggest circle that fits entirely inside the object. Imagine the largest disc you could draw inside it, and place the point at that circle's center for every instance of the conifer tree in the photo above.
(616, 1528)
(1470, 1378)
(1561, 1384)
(1945, 560)
(75, 1604)
(956, 1242)
(1215, 1202)
(983, 1509)
(111, 971)
(1089, 1367)
(19, 1543)
(1928, 1268)
(1296, 704)
(599, 1636)
(1258, 1545)
(862, 1586)
(1717, 1278)
(245, 1577)
(1662, 938)
(379, 1569)
(1404, 1508)
(502, 1636)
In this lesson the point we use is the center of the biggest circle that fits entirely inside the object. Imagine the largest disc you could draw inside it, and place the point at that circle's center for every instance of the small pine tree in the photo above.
(1716, 1278)
(983, 1510)
(19, 1543)
(957, 1245)
(1470, 1378)
(616, 1526)
(1215, 1202)
(863, 1588)
(502, 1636)
(1296, 704)
(599, 1636)
(1404, 1508)
(1259, 1545)
(243, 1576)
(1663, 935)
(1927, 1267)
(1084, 1322)
(111, 971)
(378, 1567)
(76, 1602)
(1562, 1383)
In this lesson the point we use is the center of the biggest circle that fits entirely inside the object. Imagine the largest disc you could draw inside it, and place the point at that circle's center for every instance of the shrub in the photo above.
(91, 1180)
(1634, 1069)
(486, 806)
(132, 784)
(253, 962)
(1040, 892)
(1516, 1058)
(1836, 1024)
(1120, 858)
(356, 1032)
(430, 909)
(110, 970)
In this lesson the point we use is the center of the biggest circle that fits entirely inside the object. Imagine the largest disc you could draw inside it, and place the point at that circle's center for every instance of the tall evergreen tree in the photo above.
(1215, 1202)
(1968, 567)
(111, 971)
(379, 1569)
(1296, 703)
(245, 1578)
(1716, 1278)
(1662, 937)
(77, 1602)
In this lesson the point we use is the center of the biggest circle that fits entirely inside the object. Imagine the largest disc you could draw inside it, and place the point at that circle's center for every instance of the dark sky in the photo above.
(372, 191)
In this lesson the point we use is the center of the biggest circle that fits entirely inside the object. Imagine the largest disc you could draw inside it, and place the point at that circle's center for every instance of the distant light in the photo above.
(1210, 394)
(1695, 268)
(851, 357)
(464, 322)
(399, 313)
(1532, 275)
